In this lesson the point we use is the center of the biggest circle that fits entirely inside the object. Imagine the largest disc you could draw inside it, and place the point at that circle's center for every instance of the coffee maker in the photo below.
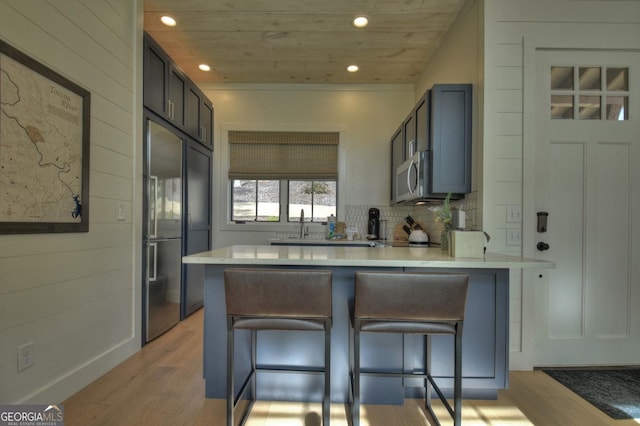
(373, 226)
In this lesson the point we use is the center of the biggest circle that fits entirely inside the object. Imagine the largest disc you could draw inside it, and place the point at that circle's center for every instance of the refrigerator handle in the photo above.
(153, 214)
(152, 261)
(190, 221)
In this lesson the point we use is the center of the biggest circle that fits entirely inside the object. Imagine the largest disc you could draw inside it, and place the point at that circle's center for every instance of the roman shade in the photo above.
(283, 155)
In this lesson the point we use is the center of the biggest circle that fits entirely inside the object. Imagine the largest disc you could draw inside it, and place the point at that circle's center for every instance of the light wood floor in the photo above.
(163, 385)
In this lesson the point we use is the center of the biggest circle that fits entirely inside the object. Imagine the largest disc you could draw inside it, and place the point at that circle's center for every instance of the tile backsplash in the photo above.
(358, 216)
(426, 215)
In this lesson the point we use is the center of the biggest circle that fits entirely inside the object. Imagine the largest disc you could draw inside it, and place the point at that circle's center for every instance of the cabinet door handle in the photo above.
(202, 133)
(170, 109)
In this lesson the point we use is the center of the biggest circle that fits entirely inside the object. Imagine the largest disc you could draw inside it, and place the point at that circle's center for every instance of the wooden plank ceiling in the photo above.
(301, 41)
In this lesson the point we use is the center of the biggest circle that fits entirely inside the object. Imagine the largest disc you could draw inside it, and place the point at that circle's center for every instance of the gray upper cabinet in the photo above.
(440, 127)
(172, 95)
(409, 130)
(450, 138)
(199, 122)
(397, 157)
(421, 112)
(164, 85)
(206, 123)
(156, 66)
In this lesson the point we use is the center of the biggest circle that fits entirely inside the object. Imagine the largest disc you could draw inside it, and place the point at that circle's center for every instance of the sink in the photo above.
(293, 241)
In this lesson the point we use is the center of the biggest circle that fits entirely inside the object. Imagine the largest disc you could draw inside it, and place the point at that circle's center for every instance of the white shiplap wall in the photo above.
(77, 296)
(513, 29)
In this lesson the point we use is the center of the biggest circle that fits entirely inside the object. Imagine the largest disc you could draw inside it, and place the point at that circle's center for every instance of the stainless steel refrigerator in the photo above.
(163, 230)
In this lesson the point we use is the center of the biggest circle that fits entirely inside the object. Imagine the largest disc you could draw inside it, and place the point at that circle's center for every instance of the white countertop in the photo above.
(426, 257)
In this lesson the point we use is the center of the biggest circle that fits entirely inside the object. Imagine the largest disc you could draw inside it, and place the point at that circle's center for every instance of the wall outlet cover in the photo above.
(26, 355)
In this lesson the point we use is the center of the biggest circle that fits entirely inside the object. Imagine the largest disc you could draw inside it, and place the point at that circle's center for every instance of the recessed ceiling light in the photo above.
(204, 67)
(352, 68)
(168, 21)
(360, 21)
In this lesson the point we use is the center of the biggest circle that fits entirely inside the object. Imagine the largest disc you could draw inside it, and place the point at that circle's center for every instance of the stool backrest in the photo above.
(278, 292)
(411, 296)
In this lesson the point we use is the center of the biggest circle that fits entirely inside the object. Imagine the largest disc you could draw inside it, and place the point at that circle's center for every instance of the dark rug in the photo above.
(616, 392)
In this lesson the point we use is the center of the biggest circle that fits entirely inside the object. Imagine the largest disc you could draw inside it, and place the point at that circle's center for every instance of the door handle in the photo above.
(153, 207)
(152, 261)
(542, 246)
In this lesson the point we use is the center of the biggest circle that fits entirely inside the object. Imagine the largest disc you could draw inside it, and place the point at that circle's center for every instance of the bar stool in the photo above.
(276, 299)
(410, 303)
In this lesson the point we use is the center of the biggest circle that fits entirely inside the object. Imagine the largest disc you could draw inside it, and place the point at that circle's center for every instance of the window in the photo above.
(276, 175)
(255, 200)
(259, 200)
(590, 93)
(316, 197)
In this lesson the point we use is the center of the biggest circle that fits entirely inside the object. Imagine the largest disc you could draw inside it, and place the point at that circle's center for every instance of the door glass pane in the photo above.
(617, 79)
(589, 78)
(589, 108)
(562, 78)
(617, 108)
(561, 106)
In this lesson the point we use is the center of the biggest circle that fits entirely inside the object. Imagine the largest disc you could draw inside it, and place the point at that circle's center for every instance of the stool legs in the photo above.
(230, 393)
(231, 402)
(326, 400)
(355, 376)
(456, 412)
(457, 384)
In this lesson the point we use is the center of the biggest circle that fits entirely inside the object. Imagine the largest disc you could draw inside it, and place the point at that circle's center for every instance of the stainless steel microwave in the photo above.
(413, 180)
(410, 182)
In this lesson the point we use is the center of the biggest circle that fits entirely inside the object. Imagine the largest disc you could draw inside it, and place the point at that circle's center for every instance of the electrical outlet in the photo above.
(26, 356)
(514, 237)
(514, 214)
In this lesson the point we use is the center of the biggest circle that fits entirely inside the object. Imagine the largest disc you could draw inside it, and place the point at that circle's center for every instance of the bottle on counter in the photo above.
(331, 227)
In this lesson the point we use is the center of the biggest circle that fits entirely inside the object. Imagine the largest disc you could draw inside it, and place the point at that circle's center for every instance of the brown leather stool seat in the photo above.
(276, 299)
(410, 303)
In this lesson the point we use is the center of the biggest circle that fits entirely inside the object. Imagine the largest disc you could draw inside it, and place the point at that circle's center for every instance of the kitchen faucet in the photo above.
(302, 233)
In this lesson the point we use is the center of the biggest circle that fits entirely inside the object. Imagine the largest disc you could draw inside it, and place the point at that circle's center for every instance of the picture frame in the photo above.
(44, 148)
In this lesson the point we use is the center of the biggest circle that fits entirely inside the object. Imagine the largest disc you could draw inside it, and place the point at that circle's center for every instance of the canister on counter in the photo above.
(331, 226)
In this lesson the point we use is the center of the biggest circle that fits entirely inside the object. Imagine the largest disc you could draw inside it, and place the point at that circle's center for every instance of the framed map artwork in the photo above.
(44, 148)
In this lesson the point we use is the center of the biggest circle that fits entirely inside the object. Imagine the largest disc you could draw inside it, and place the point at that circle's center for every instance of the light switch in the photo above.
(120, 212)
(514, 214)
(514, 237)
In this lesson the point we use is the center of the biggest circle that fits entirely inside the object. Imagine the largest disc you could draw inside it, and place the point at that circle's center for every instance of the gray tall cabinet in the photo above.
(171, 98)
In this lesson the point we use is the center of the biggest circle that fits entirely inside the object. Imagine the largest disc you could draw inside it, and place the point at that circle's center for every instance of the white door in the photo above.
(587, 178)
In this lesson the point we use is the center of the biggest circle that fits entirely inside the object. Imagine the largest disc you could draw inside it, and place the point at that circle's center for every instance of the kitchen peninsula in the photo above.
(485, 337)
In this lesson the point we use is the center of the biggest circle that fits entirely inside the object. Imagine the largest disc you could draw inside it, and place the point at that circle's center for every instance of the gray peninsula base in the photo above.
(485, 345)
